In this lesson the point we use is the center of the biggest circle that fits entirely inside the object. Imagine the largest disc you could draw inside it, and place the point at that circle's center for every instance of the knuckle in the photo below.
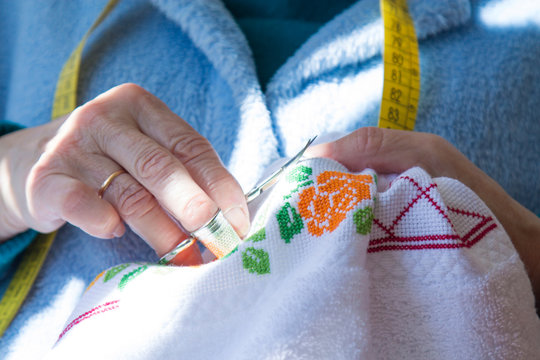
(189, 147)
(217, 178)
(134, 201)
(87, 115)
(131, 90)
(154, 165)
(197, 211)
(137, 96)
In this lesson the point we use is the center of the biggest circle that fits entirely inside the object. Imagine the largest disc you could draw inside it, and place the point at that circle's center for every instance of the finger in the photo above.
(191, 192)
(134, 204)
(198, 157)
(59, 196)
(384, 150)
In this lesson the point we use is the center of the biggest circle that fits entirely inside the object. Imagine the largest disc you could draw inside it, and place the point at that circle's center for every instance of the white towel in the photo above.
(336, 268)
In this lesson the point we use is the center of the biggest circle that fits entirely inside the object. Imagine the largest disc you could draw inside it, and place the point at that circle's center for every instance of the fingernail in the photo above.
(119, 231)
(238, 219)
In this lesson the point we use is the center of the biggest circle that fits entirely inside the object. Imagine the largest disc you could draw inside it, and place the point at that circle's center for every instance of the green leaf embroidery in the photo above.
(256, 261)
(290, 222)
(131, 275)
(299, 175)
(114, 271)
(363, 218)
(260, 235)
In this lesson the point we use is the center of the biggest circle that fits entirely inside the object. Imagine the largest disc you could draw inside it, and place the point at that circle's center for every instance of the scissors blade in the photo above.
(272, 179)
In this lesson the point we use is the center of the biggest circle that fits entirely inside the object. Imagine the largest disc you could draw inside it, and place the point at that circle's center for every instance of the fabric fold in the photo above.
(333, 268)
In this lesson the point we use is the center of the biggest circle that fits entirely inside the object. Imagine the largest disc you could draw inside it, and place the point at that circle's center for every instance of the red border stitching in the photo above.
(487, 224)
(94, 311)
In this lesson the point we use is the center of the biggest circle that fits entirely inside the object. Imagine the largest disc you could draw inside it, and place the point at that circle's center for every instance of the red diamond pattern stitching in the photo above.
(482, 225)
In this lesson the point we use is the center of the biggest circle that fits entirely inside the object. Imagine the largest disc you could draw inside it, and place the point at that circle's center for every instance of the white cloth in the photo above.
(336, 269)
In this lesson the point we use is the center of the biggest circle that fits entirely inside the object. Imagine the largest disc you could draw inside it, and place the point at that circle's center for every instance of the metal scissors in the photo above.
(272, 179)
(217, 234)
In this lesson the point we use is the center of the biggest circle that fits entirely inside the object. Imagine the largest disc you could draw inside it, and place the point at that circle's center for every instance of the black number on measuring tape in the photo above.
(397, 59)
(396, 75)
(396, 25)
(395, 94)
(396, 41)
(393, 114)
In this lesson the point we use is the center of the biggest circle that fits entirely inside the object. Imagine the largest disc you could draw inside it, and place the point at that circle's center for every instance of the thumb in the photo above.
(383, 150)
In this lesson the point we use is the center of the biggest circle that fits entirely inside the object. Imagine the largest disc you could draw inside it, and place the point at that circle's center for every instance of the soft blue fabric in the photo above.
(480, 88)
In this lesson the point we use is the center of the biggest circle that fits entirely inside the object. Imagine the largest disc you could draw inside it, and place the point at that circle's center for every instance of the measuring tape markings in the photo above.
(65, 99)
(401, 89)
(401, 82)
(65, 96)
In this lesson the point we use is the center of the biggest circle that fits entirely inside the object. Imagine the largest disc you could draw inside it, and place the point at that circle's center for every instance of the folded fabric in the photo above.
(338, 266)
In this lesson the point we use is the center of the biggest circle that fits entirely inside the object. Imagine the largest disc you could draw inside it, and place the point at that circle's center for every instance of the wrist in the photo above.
(9, 227)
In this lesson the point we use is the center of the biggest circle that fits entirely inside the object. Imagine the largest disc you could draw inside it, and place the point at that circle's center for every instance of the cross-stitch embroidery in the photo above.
(114, 271)
(301, 176)
(256, 261)
(290, 222)
(363, 218)
(131, 275)
(325, 205)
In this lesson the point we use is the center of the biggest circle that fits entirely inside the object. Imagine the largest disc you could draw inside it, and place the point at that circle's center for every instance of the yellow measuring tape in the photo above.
(401, 91)
(65, 98)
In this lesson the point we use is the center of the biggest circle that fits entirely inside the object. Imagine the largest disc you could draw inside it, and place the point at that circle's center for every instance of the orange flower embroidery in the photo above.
(325, 205)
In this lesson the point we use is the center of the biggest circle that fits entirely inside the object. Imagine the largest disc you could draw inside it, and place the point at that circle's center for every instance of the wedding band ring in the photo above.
(108, 182)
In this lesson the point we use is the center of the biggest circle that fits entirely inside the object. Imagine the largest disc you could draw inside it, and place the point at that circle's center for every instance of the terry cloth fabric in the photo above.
(480, 88)
(335, 268)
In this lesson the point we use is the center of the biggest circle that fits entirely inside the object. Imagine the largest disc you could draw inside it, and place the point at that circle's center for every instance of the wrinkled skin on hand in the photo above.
(50, 174)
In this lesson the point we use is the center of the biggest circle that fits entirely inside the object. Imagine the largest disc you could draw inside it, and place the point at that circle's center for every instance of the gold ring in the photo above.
(108, 182)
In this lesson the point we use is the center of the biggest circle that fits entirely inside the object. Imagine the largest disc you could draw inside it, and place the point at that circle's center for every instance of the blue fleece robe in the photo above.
(479, 78)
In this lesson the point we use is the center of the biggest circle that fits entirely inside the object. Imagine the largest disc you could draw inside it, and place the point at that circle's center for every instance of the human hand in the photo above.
(50, 174)
(393, 151)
